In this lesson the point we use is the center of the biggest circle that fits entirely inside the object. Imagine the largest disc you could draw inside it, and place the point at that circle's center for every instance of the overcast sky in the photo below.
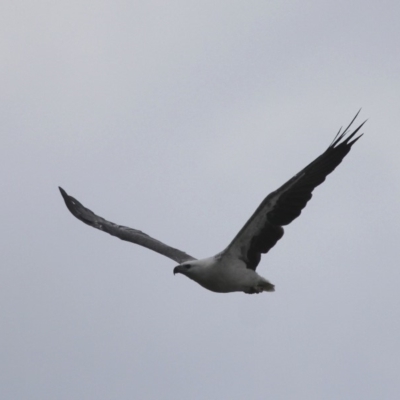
(177, 118)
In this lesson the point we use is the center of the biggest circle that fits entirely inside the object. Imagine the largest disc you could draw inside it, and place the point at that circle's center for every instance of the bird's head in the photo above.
(185, 268)
(198, 270)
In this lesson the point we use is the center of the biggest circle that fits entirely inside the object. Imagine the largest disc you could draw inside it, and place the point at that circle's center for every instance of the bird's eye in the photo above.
(187, 266)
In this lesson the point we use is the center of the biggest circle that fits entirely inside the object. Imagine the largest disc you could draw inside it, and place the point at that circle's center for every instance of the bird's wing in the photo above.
(281, 207)
(122, 232)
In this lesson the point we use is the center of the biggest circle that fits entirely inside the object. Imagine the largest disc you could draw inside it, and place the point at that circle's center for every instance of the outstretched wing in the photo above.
(122, 232)
(264, 228)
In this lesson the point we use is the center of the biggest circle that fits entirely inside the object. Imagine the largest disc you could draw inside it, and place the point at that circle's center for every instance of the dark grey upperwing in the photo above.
(122, 232)
(281, 207)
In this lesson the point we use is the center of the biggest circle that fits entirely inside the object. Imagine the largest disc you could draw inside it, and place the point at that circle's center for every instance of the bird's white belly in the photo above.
(227, 278)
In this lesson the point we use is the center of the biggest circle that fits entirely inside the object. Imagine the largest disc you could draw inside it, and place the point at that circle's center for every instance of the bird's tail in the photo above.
(267, 286)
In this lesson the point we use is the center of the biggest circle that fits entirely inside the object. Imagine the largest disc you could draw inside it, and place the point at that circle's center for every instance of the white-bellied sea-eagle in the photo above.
(234, 269)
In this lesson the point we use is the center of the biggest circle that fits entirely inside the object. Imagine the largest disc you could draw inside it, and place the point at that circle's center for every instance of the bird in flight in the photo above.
(234, 269)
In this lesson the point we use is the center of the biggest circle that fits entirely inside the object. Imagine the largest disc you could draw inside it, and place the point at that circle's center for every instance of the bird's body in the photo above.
(234, 269)
(224, 275)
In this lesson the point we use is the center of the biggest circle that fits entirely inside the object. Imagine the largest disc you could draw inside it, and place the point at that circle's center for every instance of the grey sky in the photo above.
(178, 118)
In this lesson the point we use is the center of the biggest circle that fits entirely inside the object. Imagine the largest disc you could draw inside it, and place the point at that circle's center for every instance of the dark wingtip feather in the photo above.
(337, 138)
(334, 139)
(355, 140)
(337, 141)
(64, 194)
(69, 201)
(77, 209)
(351, 123)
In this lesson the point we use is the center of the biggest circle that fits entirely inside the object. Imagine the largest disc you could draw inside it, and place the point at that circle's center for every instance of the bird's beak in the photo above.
(178, 270)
